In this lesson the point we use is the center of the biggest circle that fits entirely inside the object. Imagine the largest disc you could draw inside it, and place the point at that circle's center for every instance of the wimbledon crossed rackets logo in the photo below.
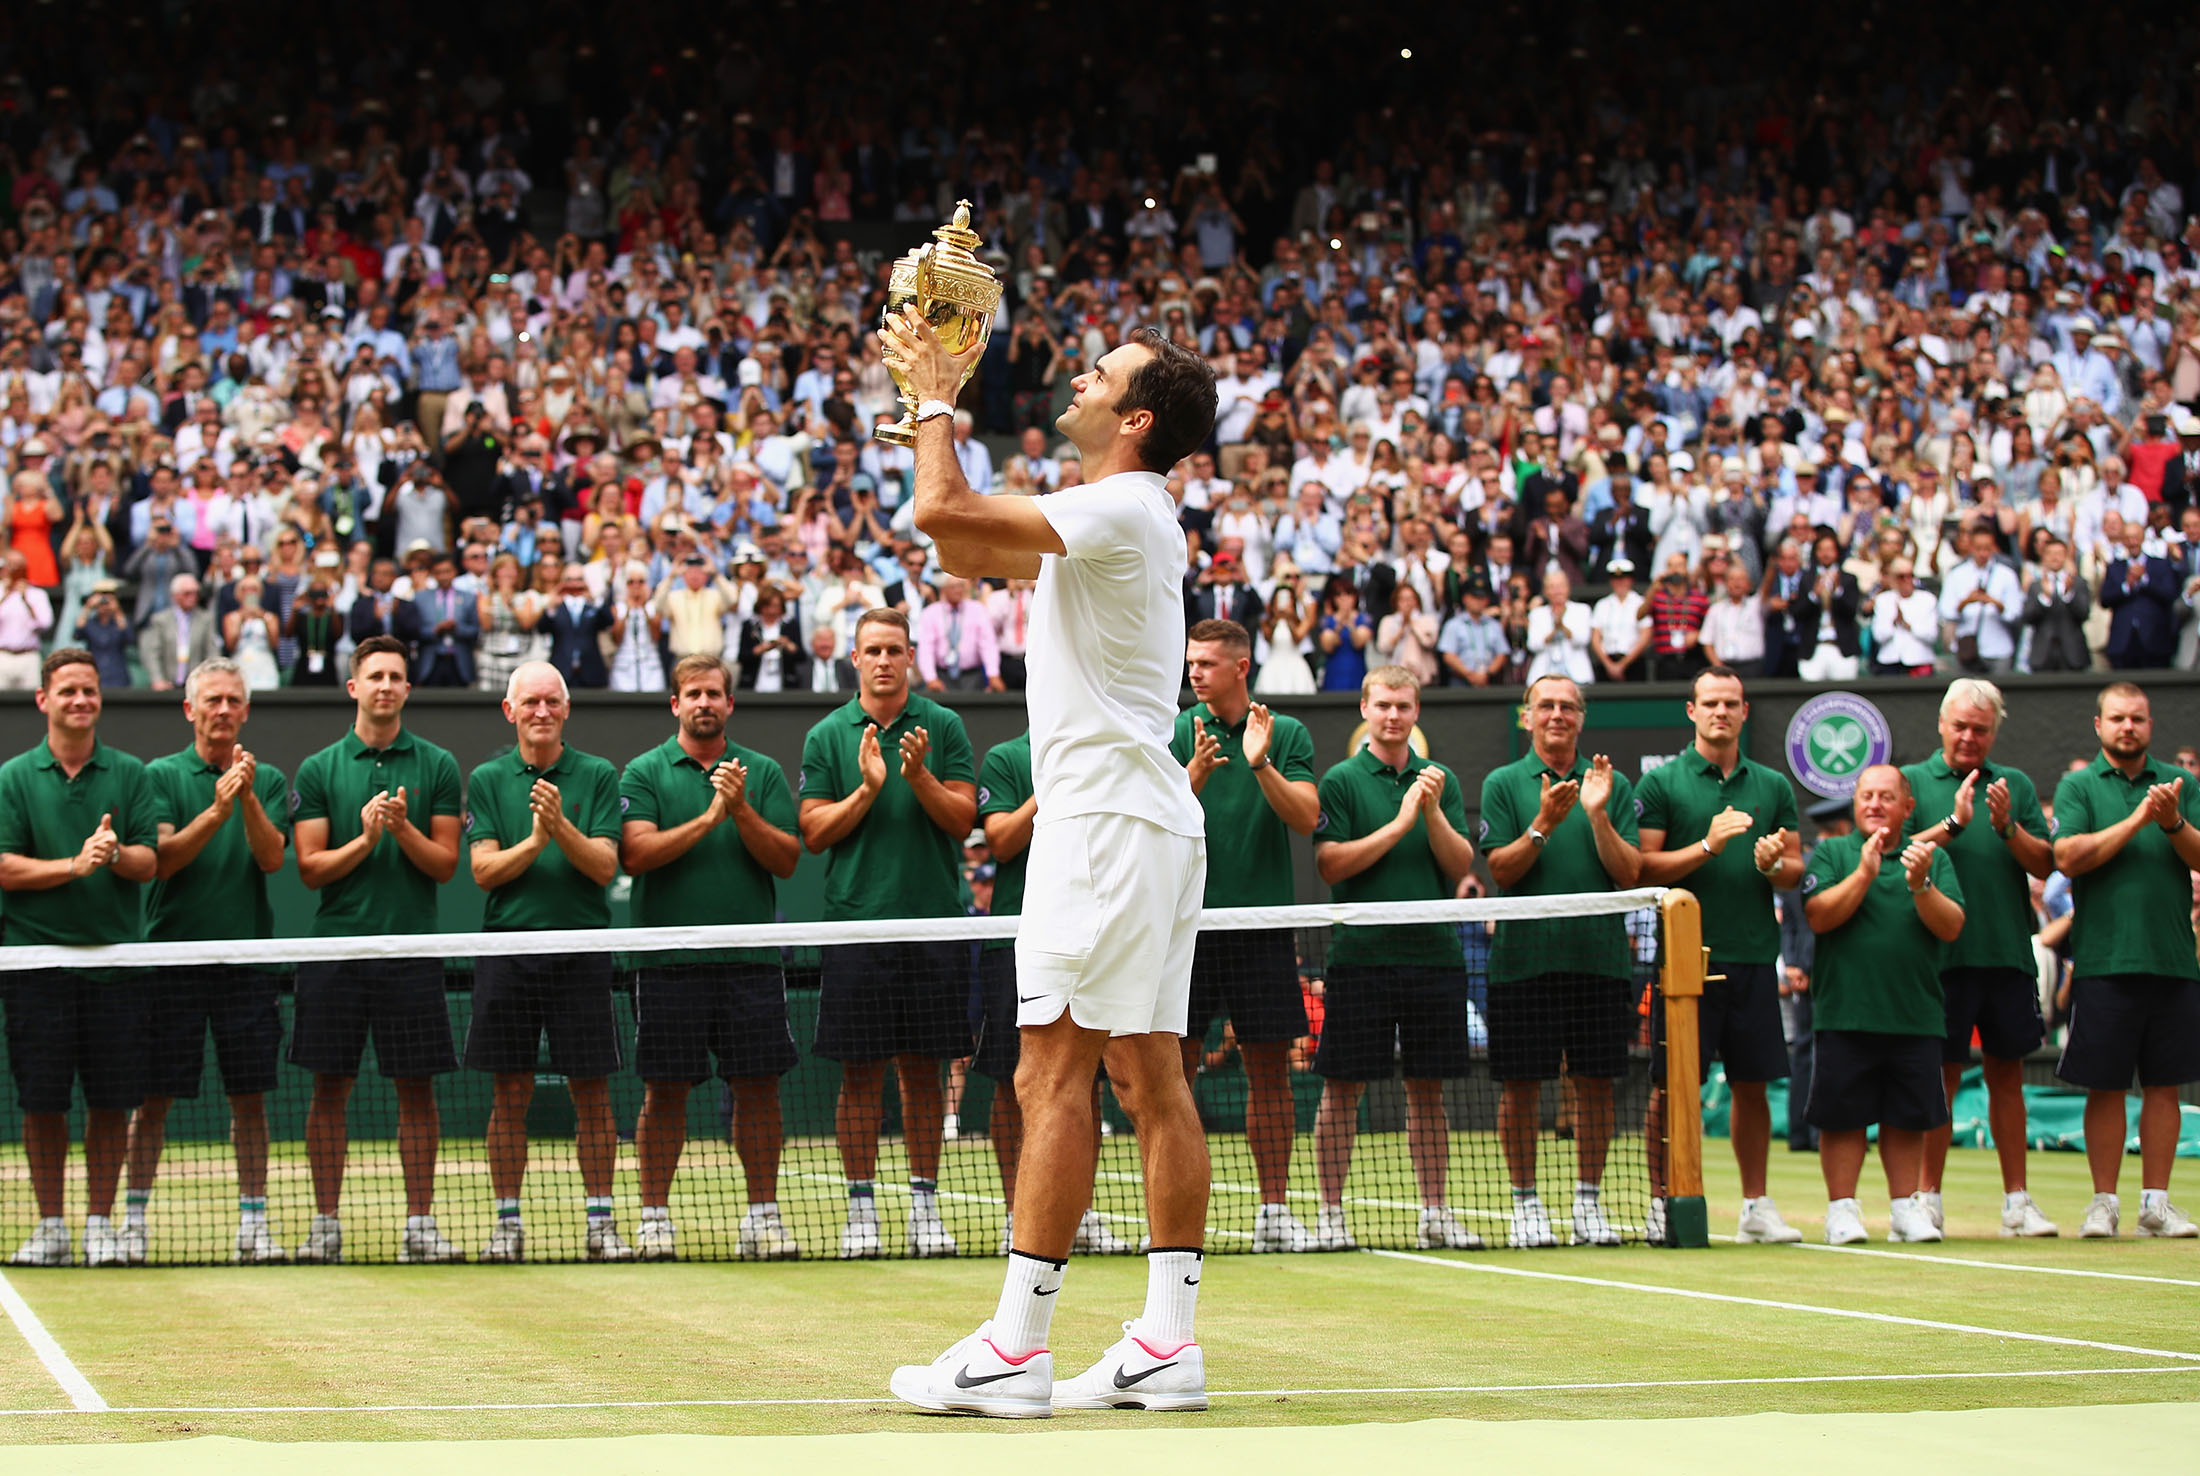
(1833, 738)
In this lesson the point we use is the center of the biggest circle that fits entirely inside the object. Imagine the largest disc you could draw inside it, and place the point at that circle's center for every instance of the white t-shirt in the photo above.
(1106, 655)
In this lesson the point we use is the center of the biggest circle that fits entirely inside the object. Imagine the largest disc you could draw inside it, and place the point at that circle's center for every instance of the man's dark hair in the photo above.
(65, 656)
(1177, 385)
(1228, 634)
(379, 645)
(1717, 670)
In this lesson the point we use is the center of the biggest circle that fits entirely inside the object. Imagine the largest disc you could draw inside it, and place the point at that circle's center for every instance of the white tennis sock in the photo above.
(1172, 1296)
(1027, 1303)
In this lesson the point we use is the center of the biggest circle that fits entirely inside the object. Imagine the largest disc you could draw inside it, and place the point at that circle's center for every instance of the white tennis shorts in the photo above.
(1111, 912)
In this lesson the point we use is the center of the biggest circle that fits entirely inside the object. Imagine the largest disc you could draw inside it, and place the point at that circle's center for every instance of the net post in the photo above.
(1681, 986)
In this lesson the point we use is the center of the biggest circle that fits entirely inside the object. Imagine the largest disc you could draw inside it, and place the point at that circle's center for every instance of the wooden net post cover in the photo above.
(1681, 984)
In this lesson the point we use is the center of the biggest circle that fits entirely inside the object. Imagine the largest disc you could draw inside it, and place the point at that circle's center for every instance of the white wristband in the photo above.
(928, 409)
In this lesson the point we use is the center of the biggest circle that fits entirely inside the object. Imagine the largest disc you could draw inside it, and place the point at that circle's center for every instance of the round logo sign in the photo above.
(1833, 738)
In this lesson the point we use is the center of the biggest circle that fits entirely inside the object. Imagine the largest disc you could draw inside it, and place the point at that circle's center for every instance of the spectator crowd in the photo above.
(571, 359)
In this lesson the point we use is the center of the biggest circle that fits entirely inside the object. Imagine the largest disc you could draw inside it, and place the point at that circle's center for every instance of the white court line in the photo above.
(65, 1373)
(1485, 1269)
(1219, 1393)
(1867, 1378)
(1927, 1258)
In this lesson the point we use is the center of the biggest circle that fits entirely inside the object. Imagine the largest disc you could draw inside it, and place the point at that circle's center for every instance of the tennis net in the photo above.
(768, 1091)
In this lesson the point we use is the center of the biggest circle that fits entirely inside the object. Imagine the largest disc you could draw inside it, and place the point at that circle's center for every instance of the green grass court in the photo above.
(546, 1353)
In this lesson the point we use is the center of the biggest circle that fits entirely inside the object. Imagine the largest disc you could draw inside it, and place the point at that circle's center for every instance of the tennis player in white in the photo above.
(1118, 862)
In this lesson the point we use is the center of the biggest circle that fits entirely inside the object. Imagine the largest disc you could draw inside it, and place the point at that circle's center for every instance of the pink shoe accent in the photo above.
(1163, 1352)
(1015, 1362)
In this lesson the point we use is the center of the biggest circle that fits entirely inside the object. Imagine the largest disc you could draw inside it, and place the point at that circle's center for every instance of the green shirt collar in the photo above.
(96, 760)
(1939, 767)
(1206, 715)
(1581, 765)
(1369, 763)
(852, 712)
(2149, 773)
(356, 747)
(517, 765)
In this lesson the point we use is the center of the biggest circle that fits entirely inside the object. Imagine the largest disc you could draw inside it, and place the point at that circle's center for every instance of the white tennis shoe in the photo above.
(1275, 1228)
(2021, 1217)
(1761, 1224)
(1910, 1220)
(1845, 1223)
(2101, 1217)
(1138, 1374)
(975, 1377)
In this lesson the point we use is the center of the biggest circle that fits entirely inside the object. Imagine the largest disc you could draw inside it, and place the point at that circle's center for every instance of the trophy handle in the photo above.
(924, 280)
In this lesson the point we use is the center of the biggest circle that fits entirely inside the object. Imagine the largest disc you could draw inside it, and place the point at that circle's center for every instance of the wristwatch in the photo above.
(2180, 825)
(1706, 844)
(928, 409)
(1953, 826)
(1536, 837)
(1265, 763)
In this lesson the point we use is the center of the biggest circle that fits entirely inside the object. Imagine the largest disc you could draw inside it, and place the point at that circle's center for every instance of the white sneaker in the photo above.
(1653, 1224)
(657, 1241)
(1929, 1199)
(605, 1243)
(764, 1237)
(2021, 1217)
(1330, 1231)
(1531, 1225)
(1589, 1225)
(928, 1234)
(427, 1247)
(1441, 1230)
(974, 1377)
(1095, 1237)
(1275, 1228)
(136, 1244)
(1761, 1224)
(324, 1242)
(1910, 1220)
(102, 1245)
(951, 1127)
(1845, 1223)
(859, 1238)
(1136, 1374)
(507, 1243)
(2101, 1217)
(2169, 1221)
(257, 1245)
(50, 1245)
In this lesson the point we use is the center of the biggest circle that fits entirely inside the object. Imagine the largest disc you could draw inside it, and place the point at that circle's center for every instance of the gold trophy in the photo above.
(957, 294)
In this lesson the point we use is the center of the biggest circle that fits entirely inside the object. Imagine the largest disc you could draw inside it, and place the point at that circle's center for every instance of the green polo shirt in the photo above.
(552, 892)
(1598, 946)
(896, 862)
(1680, 797)
(385, 893)
(223, 892)
(47, 816)
(717, 881)
(1880, 970)
(2134, 914)
(1254, 869)
(1359, 797)
(1997, 907)
(1004, 783)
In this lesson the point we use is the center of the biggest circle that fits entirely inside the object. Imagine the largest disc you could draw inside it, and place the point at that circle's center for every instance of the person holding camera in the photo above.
(249, 636)
(26, 614)
(104, 632)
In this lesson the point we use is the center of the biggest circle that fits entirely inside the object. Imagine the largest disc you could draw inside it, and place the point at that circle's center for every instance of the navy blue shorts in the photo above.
(1737, 1024)
(1251, 979)
(2002, 1005)
(881, 1000)
(684, 1014)
(399, 1000)
(1584, 1020)
(2125, 1025)
(65, 1026)
(521, 998)
(238, 1006)
(1865, 1077)
(1381, 1021)
(999, 1046)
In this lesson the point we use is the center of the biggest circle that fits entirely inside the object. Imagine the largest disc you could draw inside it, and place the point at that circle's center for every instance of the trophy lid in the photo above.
(957, 242)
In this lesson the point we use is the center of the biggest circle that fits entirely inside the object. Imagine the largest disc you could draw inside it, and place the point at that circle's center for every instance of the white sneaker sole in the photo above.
(908, 1387)
(1850, 1237)
(1156, 1403)
(1923, 1237)
(2088, 1233)
(2182, 1232)
(1792, 1236)
(2018, 1232)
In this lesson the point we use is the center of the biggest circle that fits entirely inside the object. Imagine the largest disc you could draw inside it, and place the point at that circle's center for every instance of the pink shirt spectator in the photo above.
(955, 639)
